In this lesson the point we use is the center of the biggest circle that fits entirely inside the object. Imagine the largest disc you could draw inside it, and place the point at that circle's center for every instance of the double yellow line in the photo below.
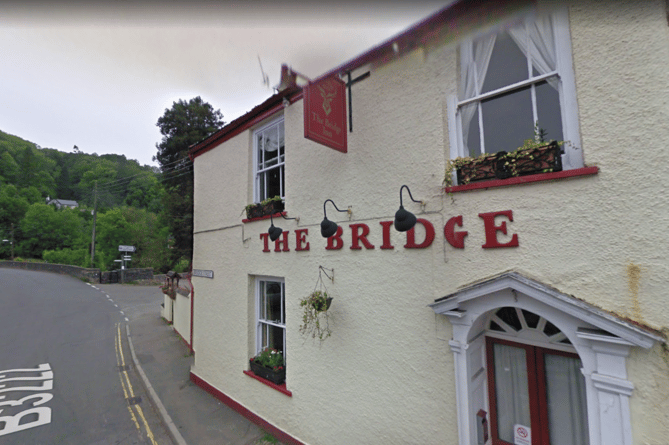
(127, 388)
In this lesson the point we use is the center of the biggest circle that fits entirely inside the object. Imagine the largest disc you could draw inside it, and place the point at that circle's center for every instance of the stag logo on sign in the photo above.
(328, 93)
(30, 385)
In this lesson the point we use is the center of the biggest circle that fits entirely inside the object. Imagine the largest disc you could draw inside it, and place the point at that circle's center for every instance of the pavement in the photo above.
(163, 360)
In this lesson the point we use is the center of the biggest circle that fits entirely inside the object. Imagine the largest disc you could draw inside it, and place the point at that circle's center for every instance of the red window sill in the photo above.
(276, 215)
(281, 388)
(541, 177)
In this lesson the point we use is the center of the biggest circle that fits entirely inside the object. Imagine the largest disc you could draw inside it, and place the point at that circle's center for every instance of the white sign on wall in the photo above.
(522, 435)
(203, 273)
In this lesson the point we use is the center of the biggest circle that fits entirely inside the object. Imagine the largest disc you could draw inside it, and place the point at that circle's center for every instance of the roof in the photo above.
(443, 25)
(244, 122)
(64, 202)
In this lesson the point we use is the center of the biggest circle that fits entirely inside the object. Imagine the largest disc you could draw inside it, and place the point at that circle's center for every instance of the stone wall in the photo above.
(127, 275)
(92, 275)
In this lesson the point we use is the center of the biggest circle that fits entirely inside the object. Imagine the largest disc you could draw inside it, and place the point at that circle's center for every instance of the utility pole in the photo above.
(95, 215)
(11, 243)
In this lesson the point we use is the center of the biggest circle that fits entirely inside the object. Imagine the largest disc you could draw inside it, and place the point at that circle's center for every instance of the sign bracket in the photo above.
(350, 97)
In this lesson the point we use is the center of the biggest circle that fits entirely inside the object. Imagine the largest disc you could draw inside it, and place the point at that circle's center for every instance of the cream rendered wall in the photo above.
(166, 310)
(386, 374)
(181, 322)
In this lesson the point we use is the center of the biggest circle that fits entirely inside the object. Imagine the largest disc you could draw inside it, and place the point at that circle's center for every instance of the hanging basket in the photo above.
(315, 318)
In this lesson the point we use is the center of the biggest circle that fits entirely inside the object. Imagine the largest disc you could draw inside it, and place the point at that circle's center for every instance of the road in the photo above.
(66, 373)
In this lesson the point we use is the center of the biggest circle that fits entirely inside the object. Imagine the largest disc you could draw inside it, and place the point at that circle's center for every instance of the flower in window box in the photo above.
(267, 207)
(269, 365)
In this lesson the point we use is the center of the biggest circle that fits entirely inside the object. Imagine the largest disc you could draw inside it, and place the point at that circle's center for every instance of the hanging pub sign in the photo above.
(325, 113)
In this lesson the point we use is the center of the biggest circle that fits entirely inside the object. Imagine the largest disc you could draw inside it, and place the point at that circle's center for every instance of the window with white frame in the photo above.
(512, 79)
(270, 160)
(270, 314)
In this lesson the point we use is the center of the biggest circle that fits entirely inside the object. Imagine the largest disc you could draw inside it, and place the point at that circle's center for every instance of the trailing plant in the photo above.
(315, 306)
(263, 202)
(505, 163)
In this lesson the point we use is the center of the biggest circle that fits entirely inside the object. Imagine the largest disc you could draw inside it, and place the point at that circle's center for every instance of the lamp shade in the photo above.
(274, 232)
(328, 228)
(404, 220)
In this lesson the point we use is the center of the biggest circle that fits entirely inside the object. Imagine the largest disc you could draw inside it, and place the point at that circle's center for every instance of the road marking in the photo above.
(122, 313)
(115, 304)
(126, 319)
(127, 387)
(13, 423)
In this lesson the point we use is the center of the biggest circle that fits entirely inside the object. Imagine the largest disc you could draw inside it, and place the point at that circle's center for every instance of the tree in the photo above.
(45, 228)
(185, 124)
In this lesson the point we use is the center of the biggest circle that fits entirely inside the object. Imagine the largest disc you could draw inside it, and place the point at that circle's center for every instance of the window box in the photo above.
(480, 169)
(524, 161)
(265, 208)
(276, 377)
(544, 159)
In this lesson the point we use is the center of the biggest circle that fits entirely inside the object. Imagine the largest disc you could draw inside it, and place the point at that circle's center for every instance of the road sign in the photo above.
(203, 273)
(127, 249)
(127, 257)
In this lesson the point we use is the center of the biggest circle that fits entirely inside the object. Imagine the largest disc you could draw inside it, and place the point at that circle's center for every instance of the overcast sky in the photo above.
(99, 75)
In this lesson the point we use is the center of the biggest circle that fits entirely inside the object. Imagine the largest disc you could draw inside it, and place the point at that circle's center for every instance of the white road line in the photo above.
(115, 304)
(122, 313)
(126, 319)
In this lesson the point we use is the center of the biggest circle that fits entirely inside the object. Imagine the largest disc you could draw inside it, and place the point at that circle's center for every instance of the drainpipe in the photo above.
(192, 306)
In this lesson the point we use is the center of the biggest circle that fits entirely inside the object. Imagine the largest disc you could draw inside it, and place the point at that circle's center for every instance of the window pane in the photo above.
(531, 319)
(262, 305)
(472, 137)
(507, 121)
(275, 338)
(507, 66)
(273, 182)
(262, 195)
(548, 111)
(511, 389)
(273, 302)
(565, 392)
(259, 145)
(510, 317)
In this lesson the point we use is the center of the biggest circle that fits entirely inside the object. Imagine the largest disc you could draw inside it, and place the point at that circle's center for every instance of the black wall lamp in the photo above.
(329, 228)
(405, 220)
(275, 232)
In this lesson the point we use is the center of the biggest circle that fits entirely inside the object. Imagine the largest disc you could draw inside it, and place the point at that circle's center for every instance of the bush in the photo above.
(72, 257)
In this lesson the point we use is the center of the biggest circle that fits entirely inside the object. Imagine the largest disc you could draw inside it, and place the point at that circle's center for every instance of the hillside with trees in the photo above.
(147, 207)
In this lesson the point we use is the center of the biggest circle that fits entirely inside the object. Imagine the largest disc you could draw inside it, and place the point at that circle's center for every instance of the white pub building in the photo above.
(505, 295)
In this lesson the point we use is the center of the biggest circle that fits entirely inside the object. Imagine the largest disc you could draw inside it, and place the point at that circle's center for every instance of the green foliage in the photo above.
(270, 358)
(183, 125)
(134, 227)
(130, 206)
(44, 228)
(13, 206)
(315, 319)
(74, 257)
